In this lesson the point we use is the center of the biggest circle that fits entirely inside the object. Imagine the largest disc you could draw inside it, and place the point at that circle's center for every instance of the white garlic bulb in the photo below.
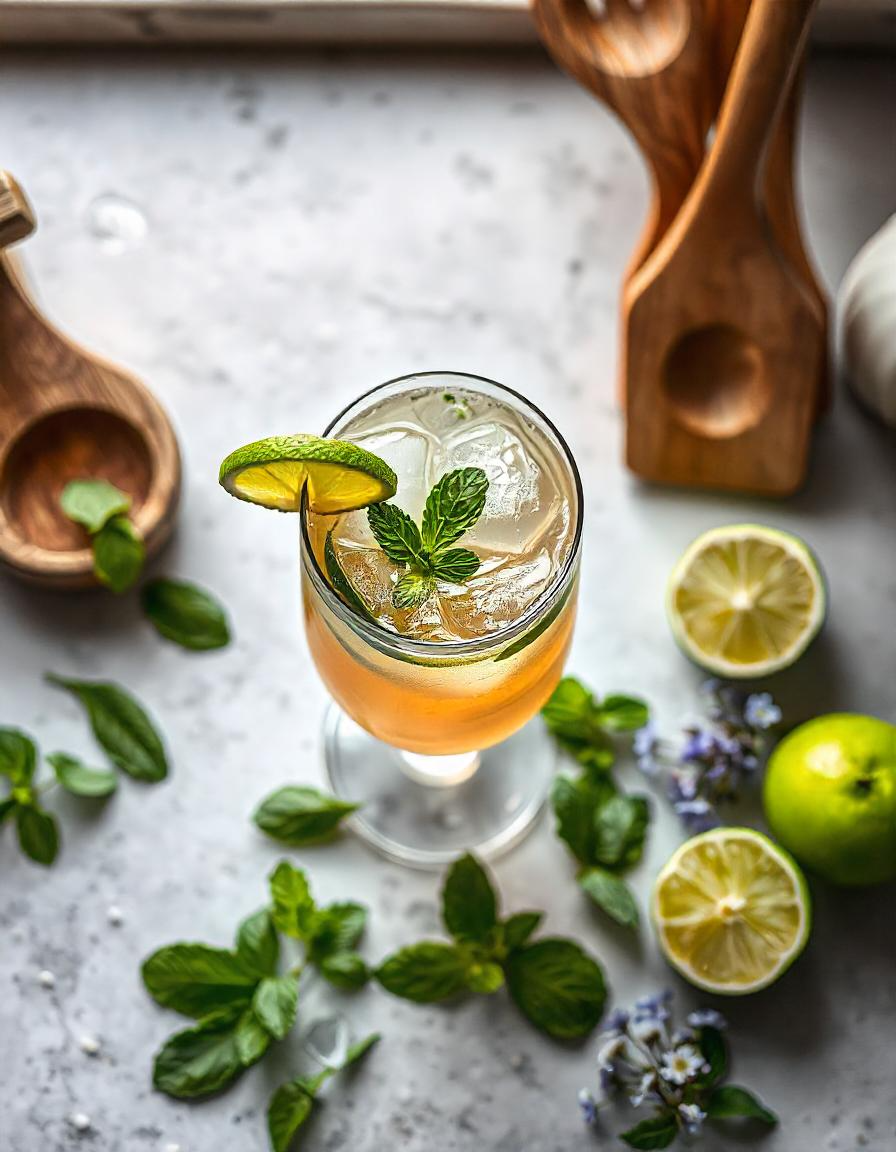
(868, 323)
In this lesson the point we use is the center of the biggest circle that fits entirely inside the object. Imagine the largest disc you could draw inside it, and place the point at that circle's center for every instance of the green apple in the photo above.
(830, 797)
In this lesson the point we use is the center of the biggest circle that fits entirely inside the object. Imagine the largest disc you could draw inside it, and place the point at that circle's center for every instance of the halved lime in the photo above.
(341, 476)
(746, 600)
(731, 910)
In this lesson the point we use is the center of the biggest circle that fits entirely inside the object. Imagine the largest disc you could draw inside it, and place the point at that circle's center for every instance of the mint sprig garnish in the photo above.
(243, 1003)
(556, 985)
(603, 827)
(452, 507)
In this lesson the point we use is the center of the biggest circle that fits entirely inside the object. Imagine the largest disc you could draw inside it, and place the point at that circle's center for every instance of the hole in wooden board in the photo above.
(628, 38)
(715, 382)
(72, 444)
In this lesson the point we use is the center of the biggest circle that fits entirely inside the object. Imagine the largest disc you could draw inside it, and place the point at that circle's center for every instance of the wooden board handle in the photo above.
(16, 217)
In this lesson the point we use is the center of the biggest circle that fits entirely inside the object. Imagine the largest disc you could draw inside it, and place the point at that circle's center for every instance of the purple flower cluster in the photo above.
(645, 1059)
(708, 766)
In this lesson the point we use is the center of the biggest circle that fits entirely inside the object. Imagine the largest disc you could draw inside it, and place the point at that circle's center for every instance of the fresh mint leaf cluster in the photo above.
(243, 1003)
(603, 827)
(102, 509)
(298, 815)
(556, 985)
(452, 507)
(125, 733)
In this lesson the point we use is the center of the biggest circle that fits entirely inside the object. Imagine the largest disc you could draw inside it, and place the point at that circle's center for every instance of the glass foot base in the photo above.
(486, 809)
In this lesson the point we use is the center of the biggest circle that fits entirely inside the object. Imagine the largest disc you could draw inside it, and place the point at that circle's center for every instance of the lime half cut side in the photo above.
(341, 476)
(731, 911)
(745, 600)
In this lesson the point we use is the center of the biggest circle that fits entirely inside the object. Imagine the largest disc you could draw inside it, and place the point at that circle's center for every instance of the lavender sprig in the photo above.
(675, 1072)
(707, 766)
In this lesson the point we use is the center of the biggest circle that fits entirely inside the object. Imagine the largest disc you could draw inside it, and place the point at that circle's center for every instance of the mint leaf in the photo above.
(412, 589)
(337, 928)
(657, 1132)
(424, 972)
(38, 833)
(185, 614)
(257, 946)
(456, 565)
(469, 908)
(519, 927)
(574, 803)
(341, 583)
(557, 986)
(93, 503)
(120, 725)
(118, 554)
(730, 1101)
(715, 1053)
(622, 713)
(18, 756)
(485, 977)
(344, 970)
(299, 815)
(252, 1039)
(288, 1110)
(7, 807)
(198, 1061)
(620, 825)
(293, 904)
(396, 533)
(275, 1003)
(573, 719)
(612, 894)
(452, 507)
(196, 979)
(77, 778)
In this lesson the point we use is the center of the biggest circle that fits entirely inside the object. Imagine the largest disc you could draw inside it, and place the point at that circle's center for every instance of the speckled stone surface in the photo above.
(261, 239)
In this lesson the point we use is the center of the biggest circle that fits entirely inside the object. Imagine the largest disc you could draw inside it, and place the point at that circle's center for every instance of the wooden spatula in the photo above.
(723, 342)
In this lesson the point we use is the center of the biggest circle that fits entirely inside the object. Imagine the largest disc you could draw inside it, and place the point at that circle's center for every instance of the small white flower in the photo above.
(46, 979)
(609, 1051)
(646, 1030)
(114, 915)
(646, 1085)
(692, 1116)
(89, 1045)
(679, 1065)
(80, 1121)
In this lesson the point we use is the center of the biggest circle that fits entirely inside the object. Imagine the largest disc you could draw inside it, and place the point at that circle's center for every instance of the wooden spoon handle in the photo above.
(764, 67)
(16, 217)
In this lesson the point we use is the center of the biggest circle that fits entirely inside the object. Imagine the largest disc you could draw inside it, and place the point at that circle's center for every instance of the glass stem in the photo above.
(439, 771)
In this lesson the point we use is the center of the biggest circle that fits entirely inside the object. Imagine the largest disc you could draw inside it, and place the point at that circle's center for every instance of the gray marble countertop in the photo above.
(261, 238)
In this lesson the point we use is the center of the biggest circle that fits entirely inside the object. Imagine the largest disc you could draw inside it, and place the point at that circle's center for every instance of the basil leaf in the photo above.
(38, 833)
(257, 946)
(118, 554)
(730, 1101)
(412, 589)
(198, 1061)
(657, 1132)
(252, 1039)
(519, 927)
(485, 978)
(293, 904)
(456, 565)
(299, 815)
(623, 713)
(196, 980)
(341, 583)
(396, 533)
(186, 614)
(469, 908)
(557, 986)
(93, 503)
(452, 507)
(121, 726)
(344, 970)
(18, 756)
(337, 928)
(77, 778)
(288, 1110)
(620, 825)
(715, 1053)
(574, 803)
(275, 1003)
(424, 972)
(612, 894)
